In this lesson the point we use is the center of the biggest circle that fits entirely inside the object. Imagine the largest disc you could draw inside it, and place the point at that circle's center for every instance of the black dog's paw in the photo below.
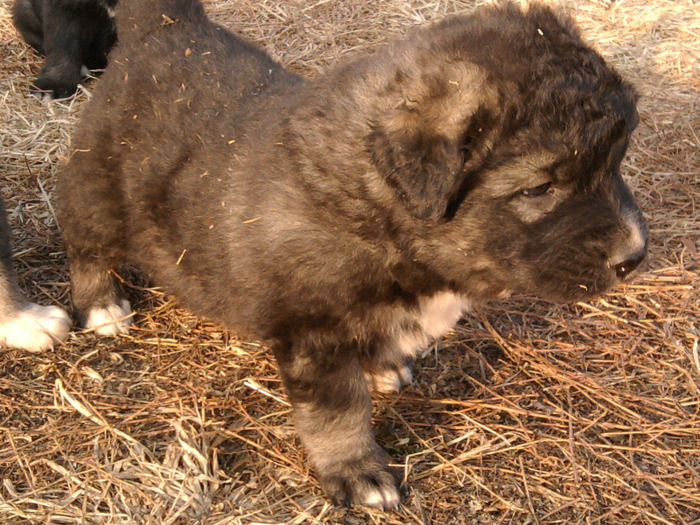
(56, 87)
(369, 481)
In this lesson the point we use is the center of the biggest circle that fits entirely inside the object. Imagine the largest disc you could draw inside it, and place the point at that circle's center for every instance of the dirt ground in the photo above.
(527, 413)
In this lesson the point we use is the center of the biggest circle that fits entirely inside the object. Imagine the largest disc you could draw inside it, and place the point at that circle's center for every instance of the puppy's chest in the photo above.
(432, 318)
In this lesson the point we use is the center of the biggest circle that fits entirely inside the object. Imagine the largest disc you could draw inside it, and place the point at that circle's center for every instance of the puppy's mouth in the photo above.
(583, 273)
(571, 289)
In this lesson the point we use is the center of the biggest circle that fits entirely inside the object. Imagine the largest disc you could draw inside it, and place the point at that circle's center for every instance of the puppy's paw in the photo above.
(112, 320)
(35, 328)
(370, 482)
(390, 379)
(54, 87)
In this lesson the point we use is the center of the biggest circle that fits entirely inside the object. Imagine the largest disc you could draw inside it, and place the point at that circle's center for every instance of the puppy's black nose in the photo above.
(627, 266)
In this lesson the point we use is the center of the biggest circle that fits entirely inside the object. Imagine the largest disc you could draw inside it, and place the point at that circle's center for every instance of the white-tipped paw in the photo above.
(373, 484)
(389, 380)
(384, 498)
(113, 320)
(35, 328)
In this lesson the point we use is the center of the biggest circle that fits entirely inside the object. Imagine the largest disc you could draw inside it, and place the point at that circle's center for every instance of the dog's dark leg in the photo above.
(103, 38)
(64, 40)
(90, 213)
(332, 411)
(29, 24)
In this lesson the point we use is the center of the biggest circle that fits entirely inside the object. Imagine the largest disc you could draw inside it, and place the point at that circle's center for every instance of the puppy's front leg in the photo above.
(333, 411)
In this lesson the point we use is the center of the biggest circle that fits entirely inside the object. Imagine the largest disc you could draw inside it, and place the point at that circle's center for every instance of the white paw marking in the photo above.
(35, 328)
(110, 321)
(440, 313)
(436, 316)
(382, 498)
(390, 380)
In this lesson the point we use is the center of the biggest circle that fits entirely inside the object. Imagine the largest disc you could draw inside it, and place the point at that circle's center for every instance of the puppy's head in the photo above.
(504, 133)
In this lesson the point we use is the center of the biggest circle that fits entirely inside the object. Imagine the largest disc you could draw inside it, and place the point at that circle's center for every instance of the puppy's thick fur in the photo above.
(348, 220)
(75, 36)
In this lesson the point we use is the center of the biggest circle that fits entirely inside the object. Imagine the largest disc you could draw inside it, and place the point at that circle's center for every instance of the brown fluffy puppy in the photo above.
(348, 220)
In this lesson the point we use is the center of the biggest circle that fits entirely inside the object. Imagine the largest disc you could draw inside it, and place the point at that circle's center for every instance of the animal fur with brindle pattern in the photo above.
(348, 220)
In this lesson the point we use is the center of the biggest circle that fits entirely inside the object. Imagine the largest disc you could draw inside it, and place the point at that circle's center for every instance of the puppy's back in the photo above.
(136, 18)
(169, 51)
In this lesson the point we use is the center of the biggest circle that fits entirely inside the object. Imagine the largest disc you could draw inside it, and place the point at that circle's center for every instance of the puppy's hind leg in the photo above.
(333, 411)
(90, 213)
(98, 298)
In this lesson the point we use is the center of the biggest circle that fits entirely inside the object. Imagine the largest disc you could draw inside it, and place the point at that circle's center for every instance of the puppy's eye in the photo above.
(537, 191)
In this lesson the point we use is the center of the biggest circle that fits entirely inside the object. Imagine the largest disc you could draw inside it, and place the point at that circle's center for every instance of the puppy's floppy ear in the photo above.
(420, 142)
(421, 166)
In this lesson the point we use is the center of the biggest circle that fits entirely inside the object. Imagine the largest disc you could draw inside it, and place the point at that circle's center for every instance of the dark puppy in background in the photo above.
(24, 324)
(349, 220)
(74, 35)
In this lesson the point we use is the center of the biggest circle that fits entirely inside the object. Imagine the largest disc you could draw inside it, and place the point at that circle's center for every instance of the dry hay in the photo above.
(528, 413)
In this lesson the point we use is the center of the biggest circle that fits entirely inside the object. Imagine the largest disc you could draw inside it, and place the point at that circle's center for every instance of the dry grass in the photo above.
(529, 413)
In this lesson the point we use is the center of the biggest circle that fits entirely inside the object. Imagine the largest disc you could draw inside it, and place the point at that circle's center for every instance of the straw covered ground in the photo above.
(527, 413)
